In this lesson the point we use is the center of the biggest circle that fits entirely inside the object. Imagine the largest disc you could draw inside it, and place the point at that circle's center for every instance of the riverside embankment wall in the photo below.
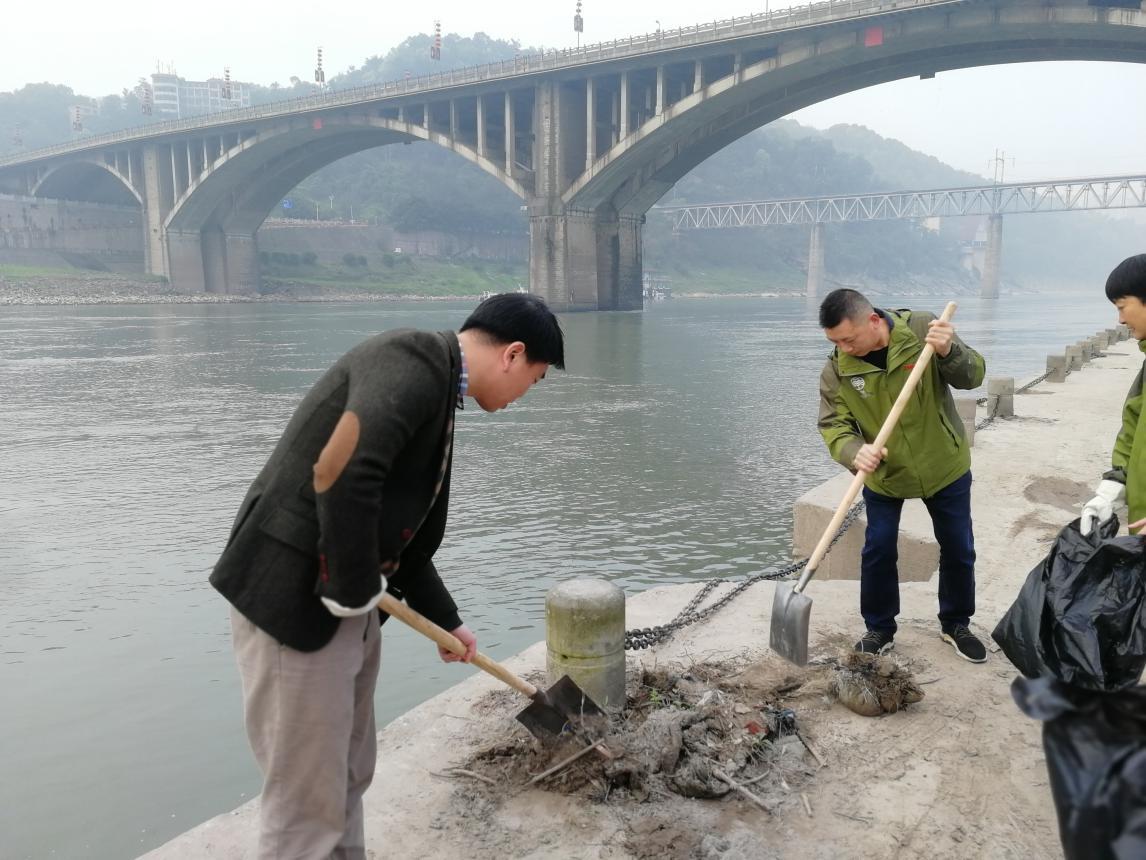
(38, 232)
(331, 240)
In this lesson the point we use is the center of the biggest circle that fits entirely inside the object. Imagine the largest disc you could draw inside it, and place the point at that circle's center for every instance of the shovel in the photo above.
(551, 712)
(791, 610)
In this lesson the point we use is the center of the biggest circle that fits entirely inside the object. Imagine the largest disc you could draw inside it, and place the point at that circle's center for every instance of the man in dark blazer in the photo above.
(351, 504)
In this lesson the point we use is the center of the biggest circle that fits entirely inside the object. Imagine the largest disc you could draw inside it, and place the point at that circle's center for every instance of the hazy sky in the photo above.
(1052, 119)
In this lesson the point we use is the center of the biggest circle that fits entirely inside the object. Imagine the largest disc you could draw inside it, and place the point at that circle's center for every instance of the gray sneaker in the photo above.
(876, 642)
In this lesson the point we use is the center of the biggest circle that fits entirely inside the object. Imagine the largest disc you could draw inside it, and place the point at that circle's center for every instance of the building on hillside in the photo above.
(175, 97)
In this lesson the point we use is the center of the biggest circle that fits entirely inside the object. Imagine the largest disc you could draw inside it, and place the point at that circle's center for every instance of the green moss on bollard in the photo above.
(585, 638)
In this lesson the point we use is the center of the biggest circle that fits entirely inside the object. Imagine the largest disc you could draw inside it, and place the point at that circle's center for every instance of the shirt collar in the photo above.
(463, 380)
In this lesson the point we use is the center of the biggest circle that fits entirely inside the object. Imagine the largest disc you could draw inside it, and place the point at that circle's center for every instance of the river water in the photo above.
(671, 450)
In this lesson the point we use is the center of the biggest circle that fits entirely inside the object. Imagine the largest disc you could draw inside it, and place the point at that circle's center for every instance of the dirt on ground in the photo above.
(736, 735)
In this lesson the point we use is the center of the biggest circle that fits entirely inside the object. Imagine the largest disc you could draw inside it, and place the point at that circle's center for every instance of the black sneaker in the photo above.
(965, 643)
(876, 642)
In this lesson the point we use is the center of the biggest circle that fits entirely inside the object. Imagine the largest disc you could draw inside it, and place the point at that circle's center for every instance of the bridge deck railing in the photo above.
(791, 18)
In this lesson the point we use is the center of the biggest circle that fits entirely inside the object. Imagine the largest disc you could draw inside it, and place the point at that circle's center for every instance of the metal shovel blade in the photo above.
(562, 706)
(791, 617)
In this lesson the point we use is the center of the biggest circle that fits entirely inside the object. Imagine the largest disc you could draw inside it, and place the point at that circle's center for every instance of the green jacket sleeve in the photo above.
(839, 428)
(1120, 458)
(962, 367)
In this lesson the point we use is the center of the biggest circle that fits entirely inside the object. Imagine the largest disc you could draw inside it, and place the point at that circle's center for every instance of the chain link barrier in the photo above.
(982, 401)
(646, 637)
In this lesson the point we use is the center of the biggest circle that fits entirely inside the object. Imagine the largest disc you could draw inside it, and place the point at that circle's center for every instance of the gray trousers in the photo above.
(310, 721)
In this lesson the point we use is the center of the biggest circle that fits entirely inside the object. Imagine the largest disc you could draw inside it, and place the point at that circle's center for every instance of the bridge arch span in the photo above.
(90, 181)
(210, 228)
(244, 184)
(631, 176)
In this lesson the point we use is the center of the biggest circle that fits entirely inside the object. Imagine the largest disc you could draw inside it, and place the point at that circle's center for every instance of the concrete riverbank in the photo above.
(960, 774)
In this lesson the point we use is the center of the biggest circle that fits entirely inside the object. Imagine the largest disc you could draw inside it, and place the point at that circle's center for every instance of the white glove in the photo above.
(1108, 496)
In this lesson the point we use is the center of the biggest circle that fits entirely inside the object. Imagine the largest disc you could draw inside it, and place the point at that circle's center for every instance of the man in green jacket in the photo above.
(1125, 483)
(928, 457)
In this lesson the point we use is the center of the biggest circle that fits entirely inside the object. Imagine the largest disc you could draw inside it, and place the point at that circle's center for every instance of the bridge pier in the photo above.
(211, 261)
(157, 203)
(214, 251)
(241, 263)
(586, 262)
(816, 261)
(989, 284)
(185, 270)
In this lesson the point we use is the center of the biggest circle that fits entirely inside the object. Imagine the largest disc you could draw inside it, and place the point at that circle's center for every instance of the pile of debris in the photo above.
(714, 730)
(703, 733)
(871, 684)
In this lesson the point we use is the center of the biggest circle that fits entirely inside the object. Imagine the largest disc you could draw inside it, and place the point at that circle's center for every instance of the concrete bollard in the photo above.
(1083, 351)
(966, 407)
(585, 638)
(1001, 397)
(1125, 329)
(917, 550)
(1101, 341)
(1095, 347)
(1073, 359)
(1113, 336)
(1056, 368)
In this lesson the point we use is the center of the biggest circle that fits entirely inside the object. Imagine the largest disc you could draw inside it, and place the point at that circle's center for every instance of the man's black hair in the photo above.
(1128, 279)
(509, 317)
(843, 304)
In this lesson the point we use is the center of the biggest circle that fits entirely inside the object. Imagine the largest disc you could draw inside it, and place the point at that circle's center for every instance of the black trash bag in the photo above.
(1095, 747)
(1081, 615)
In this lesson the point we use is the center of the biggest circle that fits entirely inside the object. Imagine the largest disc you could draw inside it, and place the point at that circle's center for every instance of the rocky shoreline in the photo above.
(116, 289)
(105, 289)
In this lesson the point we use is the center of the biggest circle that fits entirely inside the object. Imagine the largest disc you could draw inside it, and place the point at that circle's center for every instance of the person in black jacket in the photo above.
(352, 504)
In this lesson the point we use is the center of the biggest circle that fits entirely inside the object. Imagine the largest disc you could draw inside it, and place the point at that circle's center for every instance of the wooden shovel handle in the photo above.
(392, 606)
(880, 440)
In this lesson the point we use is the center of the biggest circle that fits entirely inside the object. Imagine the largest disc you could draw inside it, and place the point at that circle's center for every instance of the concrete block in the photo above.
(1056, 368)
(1001, 397)
(967, 407)
(585, 638)
(1101, 341)
(918, 551)
(1083, 351)
(1073, 359)
(1113, 335)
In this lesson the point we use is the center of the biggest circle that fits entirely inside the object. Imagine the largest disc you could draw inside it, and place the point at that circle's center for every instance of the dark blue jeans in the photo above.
(950, 511)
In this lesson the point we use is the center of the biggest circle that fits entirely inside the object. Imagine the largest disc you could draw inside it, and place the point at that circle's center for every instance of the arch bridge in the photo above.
(590, 138)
